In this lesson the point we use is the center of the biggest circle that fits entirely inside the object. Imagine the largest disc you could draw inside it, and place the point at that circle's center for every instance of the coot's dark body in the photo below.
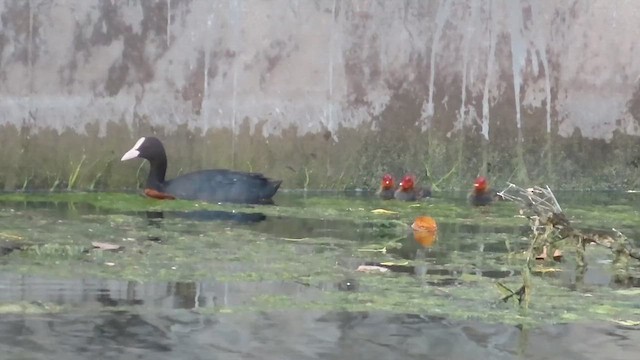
(481, 195)
(386, 190)
(219, 185)
(480, 198)
(385, 194)
(408, 191)
(404, 195)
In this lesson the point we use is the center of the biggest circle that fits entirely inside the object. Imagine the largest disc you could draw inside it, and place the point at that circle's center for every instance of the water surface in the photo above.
(204, 280)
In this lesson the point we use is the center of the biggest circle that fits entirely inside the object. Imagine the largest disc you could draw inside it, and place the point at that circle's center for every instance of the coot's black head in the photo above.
(146, 147)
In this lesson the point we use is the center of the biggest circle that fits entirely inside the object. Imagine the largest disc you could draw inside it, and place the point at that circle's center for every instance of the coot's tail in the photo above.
(268, 191)
(273, 187)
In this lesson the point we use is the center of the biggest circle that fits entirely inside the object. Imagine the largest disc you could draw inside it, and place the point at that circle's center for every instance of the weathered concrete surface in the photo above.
(323, 93)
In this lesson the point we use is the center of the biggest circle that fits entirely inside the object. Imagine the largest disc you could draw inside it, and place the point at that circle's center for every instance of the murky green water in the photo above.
(274, 282)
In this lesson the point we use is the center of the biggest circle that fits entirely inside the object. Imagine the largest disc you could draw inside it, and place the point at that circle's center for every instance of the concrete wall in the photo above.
(322, 93)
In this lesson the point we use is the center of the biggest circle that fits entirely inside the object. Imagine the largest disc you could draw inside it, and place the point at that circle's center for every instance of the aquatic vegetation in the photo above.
(550, 228)
(317, 243)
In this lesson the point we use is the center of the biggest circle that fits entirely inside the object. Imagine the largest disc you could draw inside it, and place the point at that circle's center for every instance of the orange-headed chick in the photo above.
(387, 187)
(481, 195)
(425, 231)
(408, 191)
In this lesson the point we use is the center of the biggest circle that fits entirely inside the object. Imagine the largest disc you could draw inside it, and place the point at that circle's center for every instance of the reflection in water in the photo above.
(64, 209)
(445, 277)
(173, 320)
(292, 227)
(129, 331)
(217, 215)
(103, 296)
(281, 226)
(89, 293)
(450, 235)
(449, 242)
(180, 334)
(155, 217)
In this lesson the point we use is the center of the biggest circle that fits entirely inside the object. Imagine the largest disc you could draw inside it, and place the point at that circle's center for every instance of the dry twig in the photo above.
(549, 225)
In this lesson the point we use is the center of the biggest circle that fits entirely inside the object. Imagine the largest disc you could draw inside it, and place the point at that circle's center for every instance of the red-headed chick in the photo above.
(481, 195)
(387, 187)
(408, 191)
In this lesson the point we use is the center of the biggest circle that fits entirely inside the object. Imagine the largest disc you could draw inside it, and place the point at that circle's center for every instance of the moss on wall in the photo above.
(347, 159)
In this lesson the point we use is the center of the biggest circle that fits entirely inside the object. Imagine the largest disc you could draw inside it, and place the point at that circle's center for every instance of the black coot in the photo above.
(481, 195)
(218, 185)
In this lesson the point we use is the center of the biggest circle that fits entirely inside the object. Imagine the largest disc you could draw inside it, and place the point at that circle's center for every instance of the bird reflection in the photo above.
(155, 218)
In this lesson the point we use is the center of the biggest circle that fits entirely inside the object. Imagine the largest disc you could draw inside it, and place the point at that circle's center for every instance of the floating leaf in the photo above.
(627, 322)
(105, 246)
(383, 211)
(11, 236)
(371, 268)
(294, 239)
(545, 270)
(391, 263)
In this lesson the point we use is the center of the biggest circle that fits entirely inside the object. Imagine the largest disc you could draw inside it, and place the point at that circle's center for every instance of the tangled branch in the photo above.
(540, 206)
(550, 225)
